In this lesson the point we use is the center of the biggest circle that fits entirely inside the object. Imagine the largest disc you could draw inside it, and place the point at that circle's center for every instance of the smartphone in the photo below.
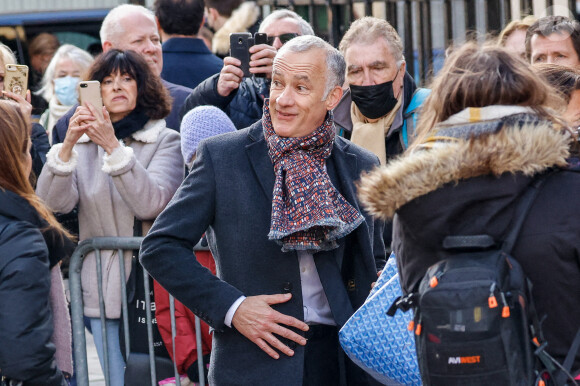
(90, 91)
(260, 38)
(16, 79)
(240, 43)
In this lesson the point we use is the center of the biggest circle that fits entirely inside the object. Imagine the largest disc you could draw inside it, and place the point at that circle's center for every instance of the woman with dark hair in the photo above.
(30, 241)
(486, 131)
(120, 165)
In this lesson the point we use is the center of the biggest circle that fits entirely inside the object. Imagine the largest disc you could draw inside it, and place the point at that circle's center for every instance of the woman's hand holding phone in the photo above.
(23, 102)
(100, 130)
(77, 126)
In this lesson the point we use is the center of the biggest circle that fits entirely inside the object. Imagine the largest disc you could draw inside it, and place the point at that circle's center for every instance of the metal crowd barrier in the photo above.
(120, 244)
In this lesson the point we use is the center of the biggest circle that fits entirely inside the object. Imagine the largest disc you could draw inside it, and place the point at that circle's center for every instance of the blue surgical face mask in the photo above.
(66, 90)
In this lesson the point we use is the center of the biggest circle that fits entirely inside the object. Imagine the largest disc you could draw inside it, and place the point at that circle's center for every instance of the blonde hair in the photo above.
(479, 76)
(515, 25)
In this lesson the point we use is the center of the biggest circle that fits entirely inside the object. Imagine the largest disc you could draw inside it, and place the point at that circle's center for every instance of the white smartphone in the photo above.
(90, 91)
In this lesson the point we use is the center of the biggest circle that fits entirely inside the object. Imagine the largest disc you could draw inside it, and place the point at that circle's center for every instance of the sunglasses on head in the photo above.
(284, 38)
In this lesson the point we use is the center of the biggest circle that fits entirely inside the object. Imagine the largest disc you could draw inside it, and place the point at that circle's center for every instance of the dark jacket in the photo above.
(243, 106)
(393, 142)
(39, 148)
(173, 120)
(26, 351)
(471, 188)
(188, 61)
(230, 187)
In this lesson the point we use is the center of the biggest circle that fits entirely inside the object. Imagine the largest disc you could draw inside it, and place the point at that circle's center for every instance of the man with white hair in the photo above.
(296, 254)
(133, 27)
(242, 98)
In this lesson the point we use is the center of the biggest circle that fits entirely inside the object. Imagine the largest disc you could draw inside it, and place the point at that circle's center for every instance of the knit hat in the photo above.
(200, 123)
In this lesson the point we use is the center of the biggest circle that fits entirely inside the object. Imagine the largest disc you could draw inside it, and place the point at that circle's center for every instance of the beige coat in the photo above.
(137, 180)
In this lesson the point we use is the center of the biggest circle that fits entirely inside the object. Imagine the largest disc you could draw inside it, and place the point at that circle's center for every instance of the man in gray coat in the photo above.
(295, 253)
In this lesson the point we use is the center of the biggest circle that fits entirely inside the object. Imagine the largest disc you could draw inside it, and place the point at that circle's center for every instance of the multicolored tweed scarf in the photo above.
(308, 213)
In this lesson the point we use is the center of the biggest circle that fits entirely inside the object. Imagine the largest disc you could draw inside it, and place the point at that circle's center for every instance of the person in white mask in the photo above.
(60, 83)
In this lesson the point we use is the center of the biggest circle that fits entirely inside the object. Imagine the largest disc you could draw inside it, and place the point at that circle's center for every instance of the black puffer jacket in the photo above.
(26, 328)
(471, 187)
(243, 106)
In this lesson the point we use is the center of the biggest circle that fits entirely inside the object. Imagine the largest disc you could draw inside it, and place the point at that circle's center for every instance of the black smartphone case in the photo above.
(260, 38)
(239, 49)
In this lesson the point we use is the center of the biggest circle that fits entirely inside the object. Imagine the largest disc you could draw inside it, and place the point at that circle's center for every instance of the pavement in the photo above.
(96, 377)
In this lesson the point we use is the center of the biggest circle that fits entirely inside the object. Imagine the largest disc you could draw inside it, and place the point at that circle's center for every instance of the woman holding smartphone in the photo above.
(121, 165)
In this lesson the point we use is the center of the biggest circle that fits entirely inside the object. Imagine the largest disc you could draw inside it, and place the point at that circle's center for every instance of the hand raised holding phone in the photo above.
(16, 86)
(100, 128)
(248, 56)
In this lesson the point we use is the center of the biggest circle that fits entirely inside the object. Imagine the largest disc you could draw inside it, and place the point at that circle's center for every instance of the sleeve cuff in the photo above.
(232, 311)
(116, 162)
(57, 165)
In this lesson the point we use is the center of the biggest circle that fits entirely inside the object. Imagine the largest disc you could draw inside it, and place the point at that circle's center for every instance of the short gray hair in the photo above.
(368, 30)
(336, 67)
(111, 28)
(77, 55)
(304, 26)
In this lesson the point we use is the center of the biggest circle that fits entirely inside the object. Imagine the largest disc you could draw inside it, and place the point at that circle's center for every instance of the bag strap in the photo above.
(569, 361)
(409, 116)
(523, 206)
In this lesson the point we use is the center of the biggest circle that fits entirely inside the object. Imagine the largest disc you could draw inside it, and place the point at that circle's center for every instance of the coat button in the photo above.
(286, 287)
(292, 345)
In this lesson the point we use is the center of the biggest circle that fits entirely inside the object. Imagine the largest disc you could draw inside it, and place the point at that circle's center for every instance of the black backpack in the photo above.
(475, 322)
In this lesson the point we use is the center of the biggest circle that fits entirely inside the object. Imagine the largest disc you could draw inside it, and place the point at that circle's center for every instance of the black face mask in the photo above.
(374, 101)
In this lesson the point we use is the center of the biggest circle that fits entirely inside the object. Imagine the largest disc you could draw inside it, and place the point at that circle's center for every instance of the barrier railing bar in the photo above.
(152, 368)
(200, 365)
(124, 305)
(173, 333)
(76, 262)
(80, 352)
(103, 317)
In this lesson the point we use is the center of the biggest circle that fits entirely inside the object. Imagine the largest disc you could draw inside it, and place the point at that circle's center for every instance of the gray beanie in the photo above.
(200, 123)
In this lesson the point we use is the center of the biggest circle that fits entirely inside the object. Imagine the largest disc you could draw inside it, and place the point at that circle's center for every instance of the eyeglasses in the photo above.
(284, 38)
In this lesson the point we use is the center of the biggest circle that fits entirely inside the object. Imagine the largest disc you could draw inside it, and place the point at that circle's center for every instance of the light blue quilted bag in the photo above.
(382, 345)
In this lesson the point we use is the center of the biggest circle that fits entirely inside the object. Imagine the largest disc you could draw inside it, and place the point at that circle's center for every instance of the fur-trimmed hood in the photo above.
(243, 17)
(526, 145)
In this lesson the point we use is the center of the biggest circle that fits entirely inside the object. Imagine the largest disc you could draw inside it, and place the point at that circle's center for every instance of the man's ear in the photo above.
(333, 97)
(400, 79)
(107, 45)
(201, 25)
(212, 15)
(403, 68)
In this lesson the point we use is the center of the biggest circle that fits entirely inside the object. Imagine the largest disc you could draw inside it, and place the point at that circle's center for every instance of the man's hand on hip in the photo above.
(258, 322)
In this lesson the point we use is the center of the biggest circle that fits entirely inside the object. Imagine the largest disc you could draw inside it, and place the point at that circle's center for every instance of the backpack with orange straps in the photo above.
(475, 321)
